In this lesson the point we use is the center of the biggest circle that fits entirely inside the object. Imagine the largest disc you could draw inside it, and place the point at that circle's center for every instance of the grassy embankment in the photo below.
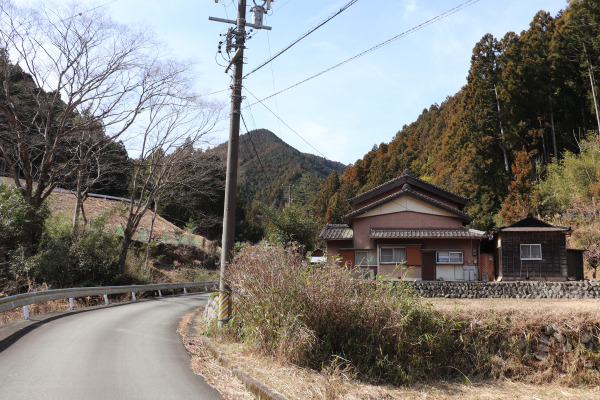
(345, 337)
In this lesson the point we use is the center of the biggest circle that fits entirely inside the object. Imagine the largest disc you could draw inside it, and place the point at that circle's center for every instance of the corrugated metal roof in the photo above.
(336, 232)
(426, 233)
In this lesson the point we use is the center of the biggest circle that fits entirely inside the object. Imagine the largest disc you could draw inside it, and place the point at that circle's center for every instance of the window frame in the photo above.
(530, 246)
(372, 260)
(450, 261)
(393, 248)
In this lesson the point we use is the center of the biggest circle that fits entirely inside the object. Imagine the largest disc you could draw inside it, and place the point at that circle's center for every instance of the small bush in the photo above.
(69, 258)
(314, 315)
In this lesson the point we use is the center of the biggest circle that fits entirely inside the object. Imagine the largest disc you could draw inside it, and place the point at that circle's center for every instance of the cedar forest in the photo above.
(520, 137)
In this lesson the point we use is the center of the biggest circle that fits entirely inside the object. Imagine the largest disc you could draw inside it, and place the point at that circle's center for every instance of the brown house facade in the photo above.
(531, 249)
(408, 229)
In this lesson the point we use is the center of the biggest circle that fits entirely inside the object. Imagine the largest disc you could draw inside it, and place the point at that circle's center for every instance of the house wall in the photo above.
(403, 220)
(334, 246)
(554, 255)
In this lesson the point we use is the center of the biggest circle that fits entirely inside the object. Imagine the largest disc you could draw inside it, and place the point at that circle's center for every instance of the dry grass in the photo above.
(301, 383)
(524, 312)
(205, 365)
(94, 207)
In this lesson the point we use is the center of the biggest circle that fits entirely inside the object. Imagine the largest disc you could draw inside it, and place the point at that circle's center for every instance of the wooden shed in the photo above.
(531, 249)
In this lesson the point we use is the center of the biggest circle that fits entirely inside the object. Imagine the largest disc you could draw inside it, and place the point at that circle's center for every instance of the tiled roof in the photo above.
(336, 232)
(406, 190)
(426, 233)
(404, 178)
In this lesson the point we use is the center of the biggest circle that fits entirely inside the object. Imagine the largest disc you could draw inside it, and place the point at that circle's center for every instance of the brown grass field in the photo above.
(300, 383)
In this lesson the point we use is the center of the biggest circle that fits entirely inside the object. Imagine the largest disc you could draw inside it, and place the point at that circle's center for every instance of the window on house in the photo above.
(449, 257)
(365, 258)
(392, 255)
(531, 252)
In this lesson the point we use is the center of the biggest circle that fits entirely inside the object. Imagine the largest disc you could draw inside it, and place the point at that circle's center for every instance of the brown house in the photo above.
(407, 228)
(533, 249)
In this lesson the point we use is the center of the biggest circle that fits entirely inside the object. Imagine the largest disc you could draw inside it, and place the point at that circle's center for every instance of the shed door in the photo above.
(428, 266)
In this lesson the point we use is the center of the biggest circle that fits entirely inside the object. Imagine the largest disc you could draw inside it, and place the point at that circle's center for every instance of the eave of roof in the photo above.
(536, 229)
(406, 177)
(336, 232)
(407, 191)
(427, 233)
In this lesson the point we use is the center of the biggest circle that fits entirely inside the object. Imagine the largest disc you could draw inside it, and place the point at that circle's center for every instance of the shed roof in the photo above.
(532, 224)
(427, 233)
(336, 232)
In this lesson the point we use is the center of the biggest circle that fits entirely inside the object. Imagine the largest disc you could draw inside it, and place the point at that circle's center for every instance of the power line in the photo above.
(289, 127)
(257, 156)
(382, 44)
(91, 9)
(344, 8)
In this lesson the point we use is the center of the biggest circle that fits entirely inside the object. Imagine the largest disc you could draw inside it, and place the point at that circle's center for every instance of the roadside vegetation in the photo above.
(380, 332)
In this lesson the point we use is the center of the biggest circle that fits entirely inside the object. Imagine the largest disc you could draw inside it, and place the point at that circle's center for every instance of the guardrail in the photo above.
(25, 299)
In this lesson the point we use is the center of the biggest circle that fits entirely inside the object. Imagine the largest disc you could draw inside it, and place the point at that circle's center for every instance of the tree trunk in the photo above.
(124, 248)
(151, 232)
(78, 202)
(552, 128)
(593, 85)
(506, 163)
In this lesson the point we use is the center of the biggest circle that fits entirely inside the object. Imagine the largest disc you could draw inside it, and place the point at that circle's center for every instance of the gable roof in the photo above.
(407, 191)
(532, 224)
(407, 178)
(336, 232)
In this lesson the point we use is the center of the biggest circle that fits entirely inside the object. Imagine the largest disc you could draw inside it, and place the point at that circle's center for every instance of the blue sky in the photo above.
(342, 113)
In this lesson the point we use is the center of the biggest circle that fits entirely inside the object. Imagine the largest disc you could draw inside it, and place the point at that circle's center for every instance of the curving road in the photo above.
(130, 351)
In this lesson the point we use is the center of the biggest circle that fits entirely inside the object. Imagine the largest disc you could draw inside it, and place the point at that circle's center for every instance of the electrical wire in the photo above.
(282, 121)
(91, 9)
(257, 156)
(344, 8)
(382, 44)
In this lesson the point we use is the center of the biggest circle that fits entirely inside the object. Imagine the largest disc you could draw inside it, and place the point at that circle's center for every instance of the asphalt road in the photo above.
(130, 351)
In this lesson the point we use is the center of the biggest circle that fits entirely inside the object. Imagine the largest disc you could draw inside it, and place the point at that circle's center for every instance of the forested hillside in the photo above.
(267, 165)
(530, 99)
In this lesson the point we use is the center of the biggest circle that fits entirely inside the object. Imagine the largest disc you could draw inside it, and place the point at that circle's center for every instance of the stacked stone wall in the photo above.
(514, 290)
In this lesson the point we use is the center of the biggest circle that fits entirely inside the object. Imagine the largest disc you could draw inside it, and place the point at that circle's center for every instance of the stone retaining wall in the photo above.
(515, 290)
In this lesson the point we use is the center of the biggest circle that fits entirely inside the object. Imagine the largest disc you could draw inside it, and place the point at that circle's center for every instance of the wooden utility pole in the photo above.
(228, 238)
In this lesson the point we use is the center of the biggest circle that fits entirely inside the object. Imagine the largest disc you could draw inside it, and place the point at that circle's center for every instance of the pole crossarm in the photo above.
(230, 21)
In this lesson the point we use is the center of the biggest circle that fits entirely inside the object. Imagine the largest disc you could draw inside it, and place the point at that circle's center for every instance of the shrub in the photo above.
(315, 315)
(20, 223)
(68, 258)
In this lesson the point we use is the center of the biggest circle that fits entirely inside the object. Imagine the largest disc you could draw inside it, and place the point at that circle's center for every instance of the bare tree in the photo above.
(64, 73)
(163, 165)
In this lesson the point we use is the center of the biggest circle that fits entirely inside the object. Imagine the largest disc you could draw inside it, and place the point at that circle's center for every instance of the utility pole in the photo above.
(227, 241)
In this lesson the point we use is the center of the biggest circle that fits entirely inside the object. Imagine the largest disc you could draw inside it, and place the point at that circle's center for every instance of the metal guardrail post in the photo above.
(106, 298)
(26, 312)
(184, 290)
(159, 293)
(133, 296)
(71, 303)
